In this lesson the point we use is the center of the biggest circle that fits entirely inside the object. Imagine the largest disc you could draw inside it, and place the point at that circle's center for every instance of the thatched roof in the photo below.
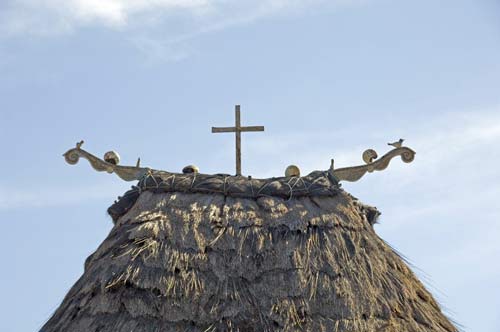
(187, 256)
(317, 183)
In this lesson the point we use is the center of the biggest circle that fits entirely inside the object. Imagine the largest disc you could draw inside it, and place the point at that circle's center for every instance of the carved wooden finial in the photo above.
(110, 164)
(372, 163)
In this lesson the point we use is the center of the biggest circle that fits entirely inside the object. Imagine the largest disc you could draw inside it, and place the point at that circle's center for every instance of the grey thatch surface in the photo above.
(184, 261)
(315, 184)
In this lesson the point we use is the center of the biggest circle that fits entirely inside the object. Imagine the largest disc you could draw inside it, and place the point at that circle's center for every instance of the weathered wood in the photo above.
(232, 129)
(356, 172)
(237, 129)
(237, 125)
(223, 130)
(127, 173)
(252, 128)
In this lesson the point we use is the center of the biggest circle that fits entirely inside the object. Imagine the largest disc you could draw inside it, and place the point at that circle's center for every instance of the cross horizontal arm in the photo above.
(252, 128)
(223, 129)
(234, 129)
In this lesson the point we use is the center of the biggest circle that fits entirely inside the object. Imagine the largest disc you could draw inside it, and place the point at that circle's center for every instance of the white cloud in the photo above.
(59, 16)
(62, 16)
(159, 29)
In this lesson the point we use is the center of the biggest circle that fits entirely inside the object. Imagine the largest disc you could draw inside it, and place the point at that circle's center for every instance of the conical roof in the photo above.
(198, 253)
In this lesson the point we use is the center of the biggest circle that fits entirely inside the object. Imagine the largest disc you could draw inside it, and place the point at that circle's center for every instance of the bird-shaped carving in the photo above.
(397, 144)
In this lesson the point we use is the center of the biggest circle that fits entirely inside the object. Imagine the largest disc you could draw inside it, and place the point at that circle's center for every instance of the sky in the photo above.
(327, 79)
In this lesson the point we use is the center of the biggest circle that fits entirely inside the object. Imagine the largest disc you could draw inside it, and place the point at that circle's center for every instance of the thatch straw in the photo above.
(183, 261)
(317, 183)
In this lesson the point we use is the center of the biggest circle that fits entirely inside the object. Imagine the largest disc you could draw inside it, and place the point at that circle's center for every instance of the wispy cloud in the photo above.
(445, 143)
(159, 28)
(62, 16)
(457, 156)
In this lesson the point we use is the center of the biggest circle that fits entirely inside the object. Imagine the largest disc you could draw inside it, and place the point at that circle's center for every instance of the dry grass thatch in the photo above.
(317, 183)
(179, 261)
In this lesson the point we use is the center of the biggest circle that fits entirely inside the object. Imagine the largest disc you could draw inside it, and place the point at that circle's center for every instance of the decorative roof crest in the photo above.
(370, 156)
(131, 173)
(351, 174)
(127, 173)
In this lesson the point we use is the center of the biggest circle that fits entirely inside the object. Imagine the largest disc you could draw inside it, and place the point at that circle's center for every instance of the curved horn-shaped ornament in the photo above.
(127, 173)
(355, 173)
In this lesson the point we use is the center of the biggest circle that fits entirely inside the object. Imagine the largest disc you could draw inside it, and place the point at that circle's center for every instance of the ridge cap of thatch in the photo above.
(317, 183)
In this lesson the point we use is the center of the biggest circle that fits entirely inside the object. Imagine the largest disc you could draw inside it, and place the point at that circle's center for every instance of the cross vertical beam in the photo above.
(237, 125)
(237, 129)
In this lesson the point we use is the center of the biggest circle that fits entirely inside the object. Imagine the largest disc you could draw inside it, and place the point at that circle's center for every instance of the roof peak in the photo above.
(136, 173)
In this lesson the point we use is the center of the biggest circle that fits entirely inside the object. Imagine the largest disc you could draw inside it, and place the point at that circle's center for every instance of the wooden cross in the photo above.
(237, 129)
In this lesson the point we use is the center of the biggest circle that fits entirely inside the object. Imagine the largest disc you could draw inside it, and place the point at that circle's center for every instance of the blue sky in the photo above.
(328, 79)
